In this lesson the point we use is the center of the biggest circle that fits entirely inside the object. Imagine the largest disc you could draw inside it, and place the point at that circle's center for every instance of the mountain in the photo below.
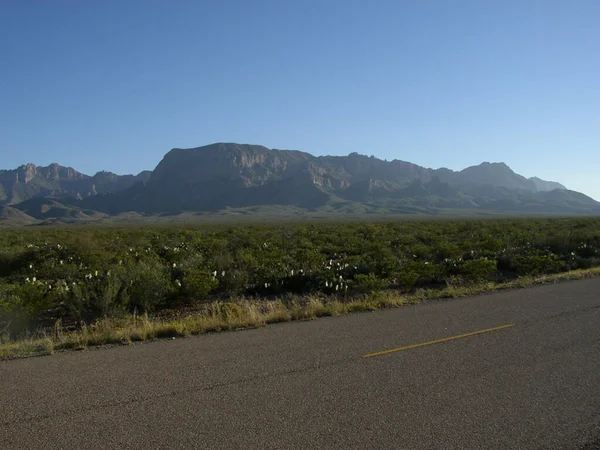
(12, 216)
(55, 181)
(46, 208)
(491, 174)
(235, 177)
(228, 175)
(542, 185)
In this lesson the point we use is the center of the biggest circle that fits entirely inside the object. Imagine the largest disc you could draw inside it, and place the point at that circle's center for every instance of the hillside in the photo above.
(12, 216)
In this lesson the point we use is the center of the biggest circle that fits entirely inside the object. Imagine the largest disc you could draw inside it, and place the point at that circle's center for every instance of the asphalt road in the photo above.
(308, 385)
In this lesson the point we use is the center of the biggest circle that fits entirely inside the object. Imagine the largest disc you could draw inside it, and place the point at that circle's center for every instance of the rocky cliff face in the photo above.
(232, 175)
(56, 181)
(250, 165)
(228, 175)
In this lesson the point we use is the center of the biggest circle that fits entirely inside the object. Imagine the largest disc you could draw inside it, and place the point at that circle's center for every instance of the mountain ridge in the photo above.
(223, 176)
(55, 181)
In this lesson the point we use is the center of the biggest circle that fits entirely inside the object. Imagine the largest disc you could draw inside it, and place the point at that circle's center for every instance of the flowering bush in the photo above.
(82, 274)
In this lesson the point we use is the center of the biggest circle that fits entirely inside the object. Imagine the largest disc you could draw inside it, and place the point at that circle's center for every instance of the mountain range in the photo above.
(228, 177)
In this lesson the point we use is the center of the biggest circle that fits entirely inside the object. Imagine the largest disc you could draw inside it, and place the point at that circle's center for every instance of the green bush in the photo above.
(197, 284)
(477, 269)
(84, 273)
(536, 264)
(24, 306)
(102, 296)
(408, 279)
(150, 285)
(370, 283)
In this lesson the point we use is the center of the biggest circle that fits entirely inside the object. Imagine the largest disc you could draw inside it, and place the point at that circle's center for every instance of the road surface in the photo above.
(535, 384)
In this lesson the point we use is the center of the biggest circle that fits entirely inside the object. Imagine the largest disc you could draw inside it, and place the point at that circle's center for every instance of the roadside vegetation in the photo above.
(73, 287)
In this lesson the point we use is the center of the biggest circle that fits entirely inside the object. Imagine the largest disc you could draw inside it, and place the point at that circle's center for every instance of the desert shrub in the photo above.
(419, 273)
(586, 250)
(408, 279)
(477, 269)
(535, 264)
(369, 283)
(101, 296)
(83, 273)
(577, 262)
(150, 285)
(447, 250)
(23, 306)
(11, 261)
(235, 281)
(197, 284)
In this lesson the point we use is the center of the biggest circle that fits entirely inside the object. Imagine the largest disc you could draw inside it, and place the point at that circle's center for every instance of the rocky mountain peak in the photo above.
(229, 175)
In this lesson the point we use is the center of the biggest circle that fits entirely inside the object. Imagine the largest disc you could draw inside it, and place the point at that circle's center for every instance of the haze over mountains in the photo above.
(227, 176)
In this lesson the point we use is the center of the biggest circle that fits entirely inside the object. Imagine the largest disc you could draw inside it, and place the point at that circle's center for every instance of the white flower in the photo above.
(326, 284)
(27, 280)
(61, 261)
(96, 273)
(31, 266)
(174, 265)
(34, 279)
(337, 286)
(292, 272)
(266, 285)
(223, 273)
(215, 273)
(178, 283)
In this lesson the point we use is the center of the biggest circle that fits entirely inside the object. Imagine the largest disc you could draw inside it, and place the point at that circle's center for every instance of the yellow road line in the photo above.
(423, 344)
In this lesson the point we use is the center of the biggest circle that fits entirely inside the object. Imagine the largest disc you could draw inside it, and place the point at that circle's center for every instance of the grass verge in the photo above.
(243, 313)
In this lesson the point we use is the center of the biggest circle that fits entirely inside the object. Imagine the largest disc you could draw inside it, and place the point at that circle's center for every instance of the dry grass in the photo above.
(244, 313)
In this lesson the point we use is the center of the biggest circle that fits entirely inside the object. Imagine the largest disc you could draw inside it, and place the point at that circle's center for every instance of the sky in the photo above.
(115, 84)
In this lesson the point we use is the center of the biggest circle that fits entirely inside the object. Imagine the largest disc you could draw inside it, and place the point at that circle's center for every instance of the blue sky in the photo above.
(115, 84)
